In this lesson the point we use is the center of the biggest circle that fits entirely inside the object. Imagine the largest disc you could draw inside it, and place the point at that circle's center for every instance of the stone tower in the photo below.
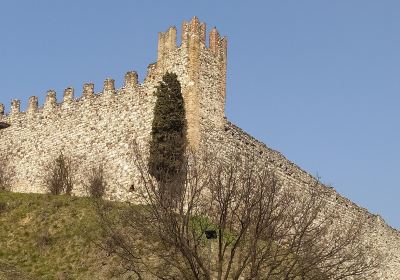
(201, 70)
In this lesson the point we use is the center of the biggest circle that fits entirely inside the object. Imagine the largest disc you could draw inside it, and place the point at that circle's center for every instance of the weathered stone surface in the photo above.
(99, 128)
(386, 240)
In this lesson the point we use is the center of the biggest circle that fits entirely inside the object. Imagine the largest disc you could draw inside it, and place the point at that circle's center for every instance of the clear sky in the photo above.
(317, 80)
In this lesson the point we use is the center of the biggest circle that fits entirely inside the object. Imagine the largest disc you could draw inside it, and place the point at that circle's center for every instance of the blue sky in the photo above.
(317, 80)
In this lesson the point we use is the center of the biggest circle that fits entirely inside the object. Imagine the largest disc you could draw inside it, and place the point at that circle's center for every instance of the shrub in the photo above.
(43, 239)
(5, 175)
(96, 184)
(3, 207)
(59, 178)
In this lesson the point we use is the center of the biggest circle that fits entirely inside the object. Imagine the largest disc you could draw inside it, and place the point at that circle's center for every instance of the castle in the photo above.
(98, 127)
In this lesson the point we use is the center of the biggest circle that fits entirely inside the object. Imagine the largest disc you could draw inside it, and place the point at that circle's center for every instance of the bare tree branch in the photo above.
(265, 230)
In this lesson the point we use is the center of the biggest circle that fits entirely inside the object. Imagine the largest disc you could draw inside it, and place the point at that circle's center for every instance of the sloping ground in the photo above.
(48, 237)
(10, 272)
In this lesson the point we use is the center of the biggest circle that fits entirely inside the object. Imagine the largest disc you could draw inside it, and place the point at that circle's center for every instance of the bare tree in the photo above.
(58, 178)
(264, 230)
(6, 173)
(96, 185)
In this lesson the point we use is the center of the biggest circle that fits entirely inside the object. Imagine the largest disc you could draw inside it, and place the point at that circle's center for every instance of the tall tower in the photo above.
(202, 73)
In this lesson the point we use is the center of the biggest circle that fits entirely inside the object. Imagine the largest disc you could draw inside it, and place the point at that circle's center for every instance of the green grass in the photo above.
(49, 237)
(10, 271)
(45, 237)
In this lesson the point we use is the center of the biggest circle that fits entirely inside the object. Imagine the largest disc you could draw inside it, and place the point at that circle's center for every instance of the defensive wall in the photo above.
(98, 127)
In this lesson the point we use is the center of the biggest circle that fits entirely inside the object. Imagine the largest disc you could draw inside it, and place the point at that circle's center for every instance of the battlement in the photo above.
(193, 36)
(68, 98)
(195, 62)
(201, 70)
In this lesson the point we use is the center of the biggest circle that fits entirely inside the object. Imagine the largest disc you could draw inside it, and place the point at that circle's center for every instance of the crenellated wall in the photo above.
(91, 129)
(98, 127)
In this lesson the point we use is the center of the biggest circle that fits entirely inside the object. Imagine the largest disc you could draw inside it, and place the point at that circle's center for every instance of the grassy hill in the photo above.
(9, 271)
(49, 237)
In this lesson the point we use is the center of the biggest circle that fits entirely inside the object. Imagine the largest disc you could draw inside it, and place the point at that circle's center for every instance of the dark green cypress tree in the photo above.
(168, 142)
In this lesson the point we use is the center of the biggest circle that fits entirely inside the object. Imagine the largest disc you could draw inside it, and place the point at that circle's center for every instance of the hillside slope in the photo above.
(10, 271)
(49, 237)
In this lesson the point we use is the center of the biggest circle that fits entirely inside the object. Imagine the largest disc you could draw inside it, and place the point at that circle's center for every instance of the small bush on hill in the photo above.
(43, 239)
(96, 187)
(3, 207)
(5, 175)
(59, 179)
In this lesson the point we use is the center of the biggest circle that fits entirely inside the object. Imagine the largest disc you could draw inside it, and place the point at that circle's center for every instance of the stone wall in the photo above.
(385, 239)
(94, 129)
(98, 128)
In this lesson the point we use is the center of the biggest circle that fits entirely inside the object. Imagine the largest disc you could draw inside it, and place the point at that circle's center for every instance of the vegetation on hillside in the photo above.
(64, 237)
(59, 177)
(11, 272)
(263, 230)
(51, 237)
(6, 173)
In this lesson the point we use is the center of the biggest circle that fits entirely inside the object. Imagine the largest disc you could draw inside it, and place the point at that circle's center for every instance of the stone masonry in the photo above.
(99, 128)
